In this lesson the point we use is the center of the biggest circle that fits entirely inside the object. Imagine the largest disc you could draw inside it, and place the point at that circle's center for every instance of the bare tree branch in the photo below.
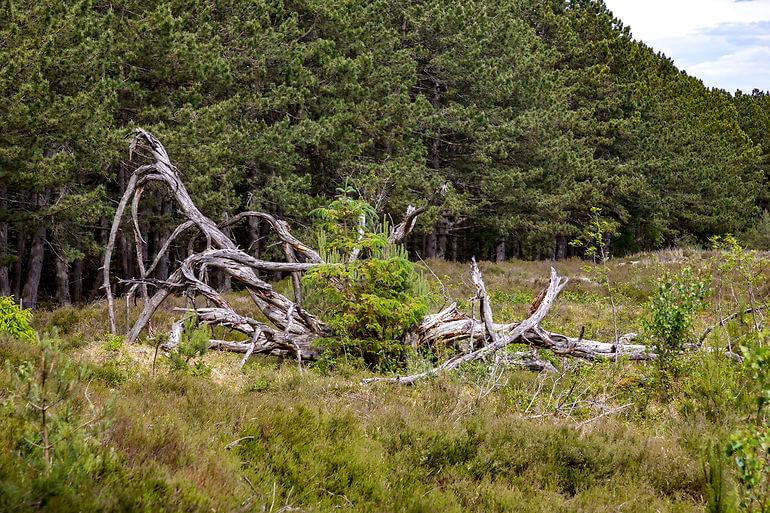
(555, 286)
(405, 227)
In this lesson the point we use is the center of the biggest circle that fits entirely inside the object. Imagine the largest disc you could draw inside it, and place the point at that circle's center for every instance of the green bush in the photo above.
(369, 293)
(113, 343)
(671, 310)
(712, 386)
(50, 430)
(370, 305)
(341, 227)
(719, 493)
(756, 360)
(110, 373)
(15, 320)
(65, 320)
(80, 471)
(749, 447)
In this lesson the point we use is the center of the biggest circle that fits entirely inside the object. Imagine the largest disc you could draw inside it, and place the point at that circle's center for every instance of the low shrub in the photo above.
(14, 320)
(193, 345)
(750, 450)
(65, 320)
(671, 311)
(371, 305)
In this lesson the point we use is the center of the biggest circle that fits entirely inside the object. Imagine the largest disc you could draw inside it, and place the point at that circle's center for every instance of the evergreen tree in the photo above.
(534, 111)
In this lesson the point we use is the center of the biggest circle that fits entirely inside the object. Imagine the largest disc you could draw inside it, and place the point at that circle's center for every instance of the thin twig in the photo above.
(238, 441)
(608, 412)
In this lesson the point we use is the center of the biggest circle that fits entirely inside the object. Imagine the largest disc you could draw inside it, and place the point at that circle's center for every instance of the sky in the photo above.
(725, 43)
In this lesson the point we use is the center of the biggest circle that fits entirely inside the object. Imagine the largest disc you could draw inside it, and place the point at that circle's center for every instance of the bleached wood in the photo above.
(555, 286)
(221, 253)
(405, 227)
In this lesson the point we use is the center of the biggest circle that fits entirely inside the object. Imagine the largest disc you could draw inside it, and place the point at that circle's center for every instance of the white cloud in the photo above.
(654, 19)
(737, 70)
(726, 43)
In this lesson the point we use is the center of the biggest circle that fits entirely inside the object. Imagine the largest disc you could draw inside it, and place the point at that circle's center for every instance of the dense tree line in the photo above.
(533, 111)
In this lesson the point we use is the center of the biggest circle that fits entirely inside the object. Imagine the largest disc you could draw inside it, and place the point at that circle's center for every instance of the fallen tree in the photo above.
(291, 330)
(451, 324)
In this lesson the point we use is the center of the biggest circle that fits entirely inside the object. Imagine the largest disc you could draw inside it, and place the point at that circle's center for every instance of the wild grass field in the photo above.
(128, 431)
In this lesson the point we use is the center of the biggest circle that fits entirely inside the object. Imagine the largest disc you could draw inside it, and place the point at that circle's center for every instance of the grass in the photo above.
(601, 437)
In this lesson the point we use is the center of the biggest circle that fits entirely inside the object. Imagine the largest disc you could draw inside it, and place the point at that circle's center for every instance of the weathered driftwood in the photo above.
(451, 326)
(405, 227)
(292, 330)
(498, 341)
(221, 253)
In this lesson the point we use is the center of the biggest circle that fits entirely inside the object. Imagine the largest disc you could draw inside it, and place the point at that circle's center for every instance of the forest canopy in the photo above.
(535, 112)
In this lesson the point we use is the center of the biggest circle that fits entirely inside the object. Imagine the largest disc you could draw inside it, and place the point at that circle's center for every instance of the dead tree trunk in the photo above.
(452, 325)
(220, 253)
(497, 340)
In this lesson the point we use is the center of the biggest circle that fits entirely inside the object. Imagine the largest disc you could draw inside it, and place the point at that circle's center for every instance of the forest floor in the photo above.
(269, 437)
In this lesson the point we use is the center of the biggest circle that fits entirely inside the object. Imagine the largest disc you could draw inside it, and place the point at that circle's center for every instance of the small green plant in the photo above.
(671, 311)
(750, 450)
(371, 305)
(194, 344)
(347, 225)
(742, 273)
(593, 240)
(46, 401)
(756, 361)
(112, 373)
(711, 387)
(369, 293)
(259, 385)
(113, 343)
(14, 320)
(65, 320)
(719, 494)
(200, 368)
(750, 446)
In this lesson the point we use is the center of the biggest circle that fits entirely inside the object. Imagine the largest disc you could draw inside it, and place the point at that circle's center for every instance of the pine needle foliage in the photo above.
(370, 303)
